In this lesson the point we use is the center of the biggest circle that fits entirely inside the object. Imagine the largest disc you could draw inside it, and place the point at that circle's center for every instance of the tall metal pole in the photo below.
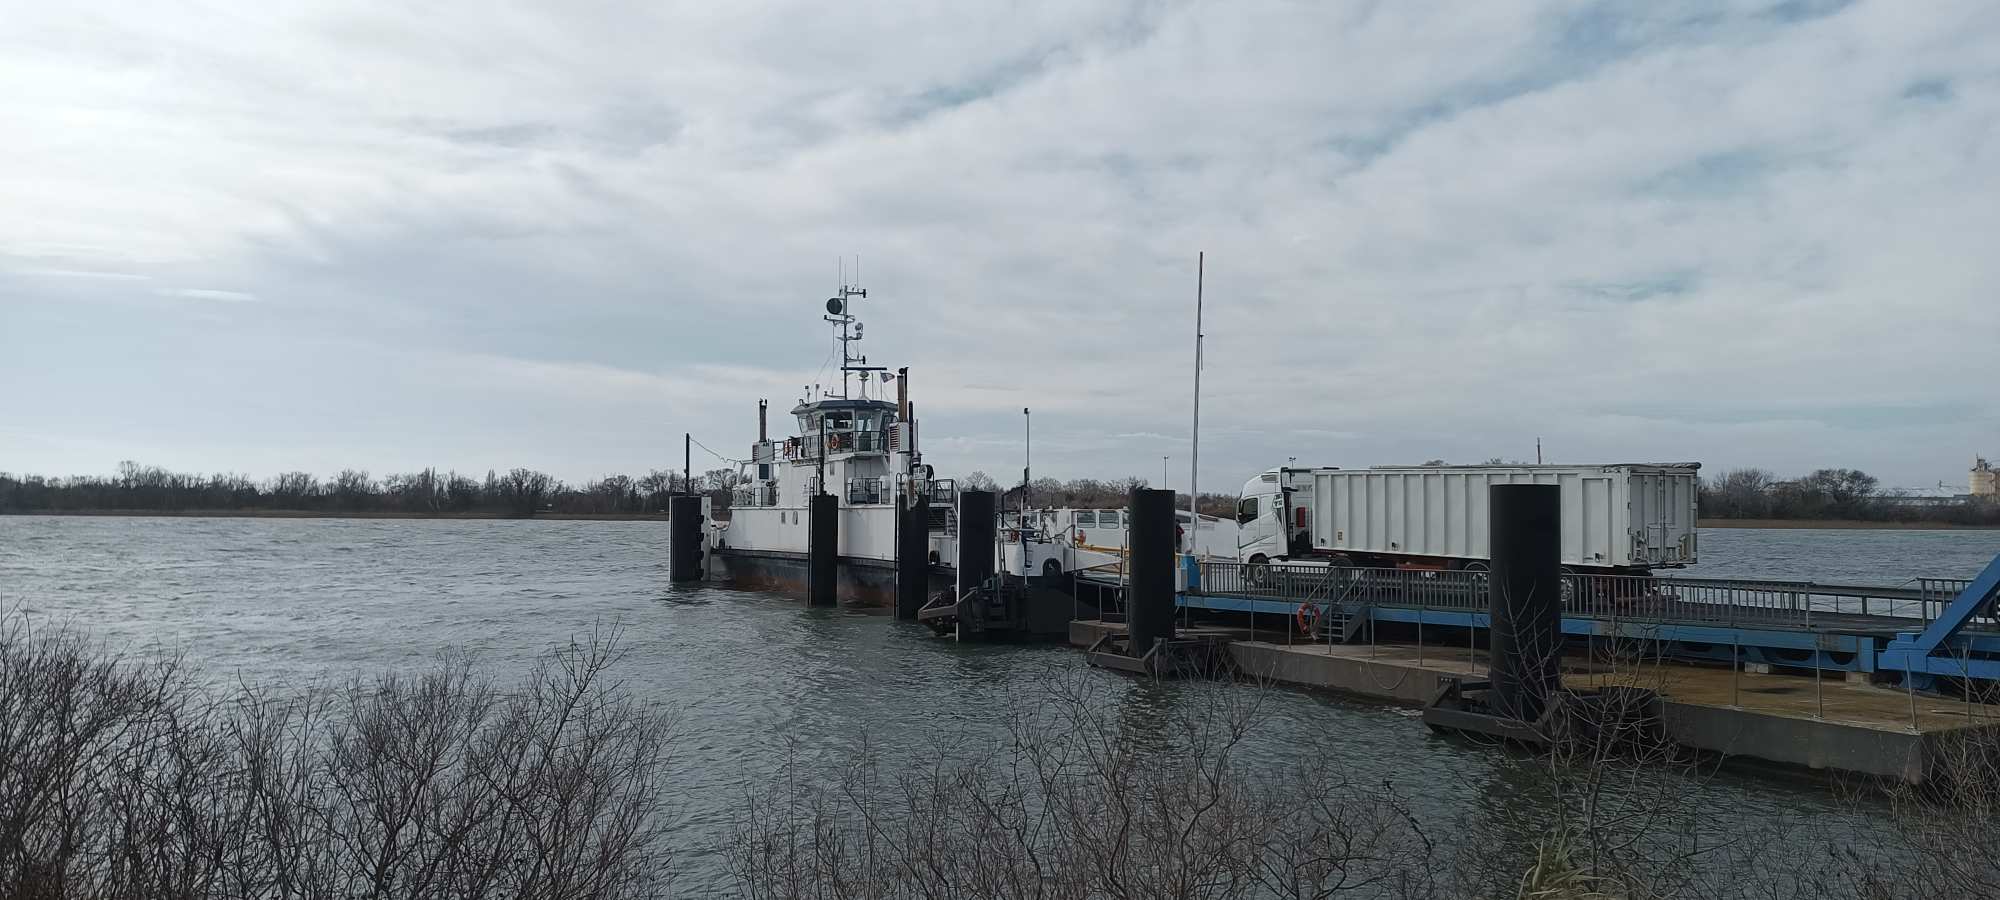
(687, 462)
(1194, 466)
(1027, 458)
(1163, 473)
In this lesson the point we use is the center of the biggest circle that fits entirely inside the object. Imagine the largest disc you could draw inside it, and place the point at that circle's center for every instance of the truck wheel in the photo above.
(1343, 573)
(1478, 573)
(1258, 572)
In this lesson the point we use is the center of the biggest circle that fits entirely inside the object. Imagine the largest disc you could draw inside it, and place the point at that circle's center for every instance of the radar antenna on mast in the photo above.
(840, 312)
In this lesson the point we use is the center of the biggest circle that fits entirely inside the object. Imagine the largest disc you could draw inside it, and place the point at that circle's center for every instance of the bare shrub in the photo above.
(121, 778)
(124, 778)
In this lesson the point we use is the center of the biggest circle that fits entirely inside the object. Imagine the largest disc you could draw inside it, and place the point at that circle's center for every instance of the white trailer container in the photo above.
(1622, 517)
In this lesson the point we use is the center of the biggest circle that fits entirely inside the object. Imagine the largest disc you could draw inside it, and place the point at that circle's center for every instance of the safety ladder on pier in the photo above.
(1339, 620)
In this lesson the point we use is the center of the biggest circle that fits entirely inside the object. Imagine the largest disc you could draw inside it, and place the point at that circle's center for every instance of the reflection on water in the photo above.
(764, 683)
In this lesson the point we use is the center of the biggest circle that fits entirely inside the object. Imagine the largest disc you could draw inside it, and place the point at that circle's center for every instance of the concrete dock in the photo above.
(1828, 723)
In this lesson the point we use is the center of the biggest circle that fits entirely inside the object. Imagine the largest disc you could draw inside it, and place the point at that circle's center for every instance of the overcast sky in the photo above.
(257, 237)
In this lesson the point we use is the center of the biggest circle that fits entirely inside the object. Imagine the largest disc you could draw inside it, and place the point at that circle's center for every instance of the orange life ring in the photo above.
(1081, 536)
(1308, 617)
(833, 442)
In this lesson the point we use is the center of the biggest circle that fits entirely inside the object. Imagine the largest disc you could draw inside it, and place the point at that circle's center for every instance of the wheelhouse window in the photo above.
(1086, 518)
(1107, 518)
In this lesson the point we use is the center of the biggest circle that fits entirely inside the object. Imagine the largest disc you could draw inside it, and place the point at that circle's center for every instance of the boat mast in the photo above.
(1194, 467)
(840, 311)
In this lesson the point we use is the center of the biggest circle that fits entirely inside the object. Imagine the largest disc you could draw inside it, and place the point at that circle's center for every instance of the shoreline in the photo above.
(1777, 524)
(1840, 525)
(319, 514)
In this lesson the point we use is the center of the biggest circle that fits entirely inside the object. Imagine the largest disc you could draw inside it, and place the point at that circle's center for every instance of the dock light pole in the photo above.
(1027, 454)
(1194, 465)
(1163, 473)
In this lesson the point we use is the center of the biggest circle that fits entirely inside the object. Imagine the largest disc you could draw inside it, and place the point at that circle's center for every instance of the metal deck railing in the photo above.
(1799, 604)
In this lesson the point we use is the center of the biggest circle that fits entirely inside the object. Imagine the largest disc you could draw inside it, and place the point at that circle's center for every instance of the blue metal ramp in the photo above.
(1946, 648)
(1939, 628)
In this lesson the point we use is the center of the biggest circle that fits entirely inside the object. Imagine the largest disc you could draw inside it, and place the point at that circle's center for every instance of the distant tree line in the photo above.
(1832, 494)
(1736, 494)
(516, 492)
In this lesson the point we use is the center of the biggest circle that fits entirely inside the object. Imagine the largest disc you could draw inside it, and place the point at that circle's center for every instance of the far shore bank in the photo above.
(1797, 524)
(318, 514)
(1841, 525)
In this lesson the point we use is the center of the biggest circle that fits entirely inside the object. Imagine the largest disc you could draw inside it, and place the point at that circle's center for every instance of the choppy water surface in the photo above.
(761, 681)
(1844, 556)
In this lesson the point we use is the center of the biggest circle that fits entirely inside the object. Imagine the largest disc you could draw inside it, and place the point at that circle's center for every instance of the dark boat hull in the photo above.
(864, 583)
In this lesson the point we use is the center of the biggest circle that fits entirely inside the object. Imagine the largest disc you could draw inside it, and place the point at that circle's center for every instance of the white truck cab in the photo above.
(1270, 515)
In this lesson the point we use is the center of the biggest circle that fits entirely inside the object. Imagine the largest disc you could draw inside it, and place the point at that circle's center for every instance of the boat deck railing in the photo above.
(1724, 601)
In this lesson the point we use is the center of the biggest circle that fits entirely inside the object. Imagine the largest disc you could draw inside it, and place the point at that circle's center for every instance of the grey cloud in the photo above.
(1740, 232)
(210, 294)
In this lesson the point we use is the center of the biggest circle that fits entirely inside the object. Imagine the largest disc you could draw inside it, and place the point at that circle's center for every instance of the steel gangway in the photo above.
(1929, 629)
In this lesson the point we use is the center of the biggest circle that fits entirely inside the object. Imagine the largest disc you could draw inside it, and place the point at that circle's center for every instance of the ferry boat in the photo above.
(860, 441)
(861, 446)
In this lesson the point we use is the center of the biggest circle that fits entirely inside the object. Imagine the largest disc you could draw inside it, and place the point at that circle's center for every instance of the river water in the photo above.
(760, 681)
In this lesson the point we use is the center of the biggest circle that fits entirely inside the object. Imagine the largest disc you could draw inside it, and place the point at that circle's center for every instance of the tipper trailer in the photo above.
(1616, 519)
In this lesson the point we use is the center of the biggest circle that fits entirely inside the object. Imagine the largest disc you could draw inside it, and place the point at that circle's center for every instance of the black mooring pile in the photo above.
(976, 529)
(913, 548)
(1149, 602)
(823, 551)
(1525, 597)
(684, 538)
